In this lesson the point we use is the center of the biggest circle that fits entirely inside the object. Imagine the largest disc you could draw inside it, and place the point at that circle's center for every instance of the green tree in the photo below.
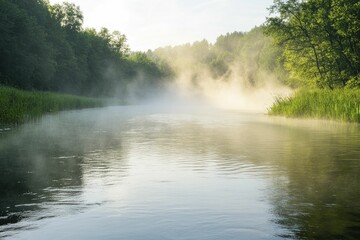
(26, 55)
(44, 47)
(68, 15)
(115, 40)
(320, 39)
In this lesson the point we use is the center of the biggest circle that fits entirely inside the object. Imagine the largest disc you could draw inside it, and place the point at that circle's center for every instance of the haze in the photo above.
(156, 23)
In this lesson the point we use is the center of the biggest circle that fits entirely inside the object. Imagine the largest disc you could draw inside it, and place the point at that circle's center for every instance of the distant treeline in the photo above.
(44, 47)
(251, 57)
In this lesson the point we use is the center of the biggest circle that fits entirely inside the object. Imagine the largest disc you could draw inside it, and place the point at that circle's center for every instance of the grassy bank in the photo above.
(341, 104)
(17, 106)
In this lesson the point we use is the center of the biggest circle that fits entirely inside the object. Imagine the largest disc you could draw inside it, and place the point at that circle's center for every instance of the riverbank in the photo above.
(17, 106)
(339, 104)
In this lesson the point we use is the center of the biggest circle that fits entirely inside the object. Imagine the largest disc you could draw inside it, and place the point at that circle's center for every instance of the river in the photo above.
(141, 172)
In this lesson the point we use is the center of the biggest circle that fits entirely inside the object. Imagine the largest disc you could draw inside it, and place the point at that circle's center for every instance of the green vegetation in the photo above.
(18, 105)
(338, 104)
(44, 47)
(259, 57)
(320, 40)
(321, 48)
(312, 43)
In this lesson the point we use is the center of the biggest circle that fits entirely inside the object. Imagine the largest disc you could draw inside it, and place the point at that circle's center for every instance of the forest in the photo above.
(313, 44)
(252, 56)
(45, 47)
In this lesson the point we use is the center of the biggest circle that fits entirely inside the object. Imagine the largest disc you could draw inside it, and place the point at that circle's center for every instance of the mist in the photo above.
(235, 92)
(240, 71)
(237, 72)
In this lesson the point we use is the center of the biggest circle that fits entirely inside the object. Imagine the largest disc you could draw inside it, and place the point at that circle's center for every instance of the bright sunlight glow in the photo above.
(157, 23)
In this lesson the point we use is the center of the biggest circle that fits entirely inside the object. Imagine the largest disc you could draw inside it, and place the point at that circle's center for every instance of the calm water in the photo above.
(140, 173)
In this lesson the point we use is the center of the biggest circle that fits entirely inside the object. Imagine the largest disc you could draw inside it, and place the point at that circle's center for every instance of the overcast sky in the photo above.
(149, 24)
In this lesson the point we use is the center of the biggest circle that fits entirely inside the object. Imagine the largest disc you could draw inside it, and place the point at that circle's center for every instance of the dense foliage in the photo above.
(321, 40)
(45, 47)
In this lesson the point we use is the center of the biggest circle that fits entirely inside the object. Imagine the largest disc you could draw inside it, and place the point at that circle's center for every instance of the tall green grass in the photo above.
(17, 106)
(339, 104)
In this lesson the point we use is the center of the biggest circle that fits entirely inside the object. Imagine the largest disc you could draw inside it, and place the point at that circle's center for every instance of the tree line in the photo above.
(45, 47)
(252, 56)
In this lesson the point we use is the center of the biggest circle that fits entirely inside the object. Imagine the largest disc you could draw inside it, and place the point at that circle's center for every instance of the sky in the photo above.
(149, 24)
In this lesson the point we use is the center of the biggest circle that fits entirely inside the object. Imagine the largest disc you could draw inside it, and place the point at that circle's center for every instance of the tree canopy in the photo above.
(45, 47)
(320, 38)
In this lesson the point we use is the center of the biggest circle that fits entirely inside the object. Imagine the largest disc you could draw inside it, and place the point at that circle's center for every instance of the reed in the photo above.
(338, 104)
(17, 106)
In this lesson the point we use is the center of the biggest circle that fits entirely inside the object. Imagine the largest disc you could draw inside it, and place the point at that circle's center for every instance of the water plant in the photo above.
(17, 106)
(338, 104)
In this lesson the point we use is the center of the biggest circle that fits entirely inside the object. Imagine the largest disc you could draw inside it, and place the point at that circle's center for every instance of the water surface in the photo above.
(158, 173)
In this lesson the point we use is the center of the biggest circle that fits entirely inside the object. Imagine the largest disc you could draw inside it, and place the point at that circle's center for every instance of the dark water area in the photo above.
(137, 172)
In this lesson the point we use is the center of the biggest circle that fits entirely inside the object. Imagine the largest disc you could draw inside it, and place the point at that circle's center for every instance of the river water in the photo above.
(141, 172)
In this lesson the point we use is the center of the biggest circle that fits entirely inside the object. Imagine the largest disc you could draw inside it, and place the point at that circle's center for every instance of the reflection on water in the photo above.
(136, 173)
